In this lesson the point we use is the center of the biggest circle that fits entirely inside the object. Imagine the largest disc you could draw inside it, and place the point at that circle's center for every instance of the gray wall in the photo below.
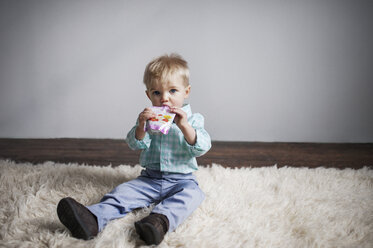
(260, 70)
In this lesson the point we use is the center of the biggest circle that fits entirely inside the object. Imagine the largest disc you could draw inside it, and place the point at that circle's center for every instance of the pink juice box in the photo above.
(160, 124)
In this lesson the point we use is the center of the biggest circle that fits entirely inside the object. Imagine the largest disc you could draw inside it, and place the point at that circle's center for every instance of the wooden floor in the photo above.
(229, 154)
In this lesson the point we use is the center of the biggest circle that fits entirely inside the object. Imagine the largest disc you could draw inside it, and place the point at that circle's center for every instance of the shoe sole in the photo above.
(148, 233)
(67, 214)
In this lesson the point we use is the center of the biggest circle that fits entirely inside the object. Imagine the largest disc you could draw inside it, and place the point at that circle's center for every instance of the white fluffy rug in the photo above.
(258, 207)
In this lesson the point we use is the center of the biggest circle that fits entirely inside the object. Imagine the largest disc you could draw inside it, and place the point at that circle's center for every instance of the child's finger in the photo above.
(148, 112)
(178, 111)
(175, 110)
(149, 115)
(146, 115)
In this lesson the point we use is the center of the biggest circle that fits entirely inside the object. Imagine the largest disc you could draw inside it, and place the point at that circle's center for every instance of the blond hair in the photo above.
(165, 68)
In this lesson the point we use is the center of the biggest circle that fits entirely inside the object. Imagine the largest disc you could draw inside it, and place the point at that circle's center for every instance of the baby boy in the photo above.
(167, 180)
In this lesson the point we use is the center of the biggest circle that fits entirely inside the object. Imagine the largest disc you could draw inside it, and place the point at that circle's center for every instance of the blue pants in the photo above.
(176, 196)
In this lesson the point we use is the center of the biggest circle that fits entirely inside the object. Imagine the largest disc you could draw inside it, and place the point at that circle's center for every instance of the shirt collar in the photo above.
(187, 109)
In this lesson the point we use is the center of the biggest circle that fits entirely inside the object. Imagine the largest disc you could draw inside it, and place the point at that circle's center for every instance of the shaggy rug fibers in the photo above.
(250, 207)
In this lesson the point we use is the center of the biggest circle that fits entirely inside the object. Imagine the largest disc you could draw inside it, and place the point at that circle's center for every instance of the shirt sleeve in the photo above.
(203, 142)
(136, 144)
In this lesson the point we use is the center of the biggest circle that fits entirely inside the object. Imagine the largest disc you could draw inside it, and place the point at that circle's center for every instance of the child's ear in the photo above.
(187, 91)
(148, 94)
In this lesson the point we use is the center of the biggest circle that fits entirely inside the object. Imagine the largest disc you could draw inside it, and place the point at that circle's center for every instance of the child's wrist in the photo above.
(140, 132)
(189, 133)
(184, 126)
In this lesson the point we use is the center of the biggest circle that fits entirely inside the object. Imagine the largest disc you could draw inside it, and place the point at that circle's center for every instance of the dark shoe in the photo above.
(77, 218)
(152, 229)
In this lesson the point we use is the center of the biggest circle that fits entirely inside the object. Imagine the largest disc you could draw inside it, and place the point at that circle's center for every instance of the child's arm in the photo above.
(197, 138)
(143, 117)
(137, 139)
(181, 121)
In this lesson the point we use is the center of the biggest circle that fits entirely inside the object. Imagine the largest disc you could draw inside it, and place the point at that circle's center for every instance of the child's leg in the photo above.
(184, 197)
(140, 192)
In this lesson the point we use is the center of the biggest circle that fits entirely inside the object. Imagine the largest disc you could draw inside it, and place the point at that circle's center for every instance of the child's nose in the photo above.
(164, 97)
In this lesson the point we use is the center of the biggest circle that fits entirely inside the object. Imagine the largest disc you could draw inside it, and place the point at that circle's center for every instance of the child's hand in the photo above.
(181, 118)
(145, 115)
(181, 121)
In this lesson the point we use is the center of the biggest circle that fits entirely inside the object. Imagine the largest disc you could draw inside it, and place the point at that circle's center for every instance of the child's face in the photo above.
(171, 93)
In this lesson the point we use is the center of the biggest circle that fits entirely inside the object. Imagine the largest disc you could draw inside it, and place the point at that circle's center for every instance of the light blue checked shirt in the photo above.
(171, 152)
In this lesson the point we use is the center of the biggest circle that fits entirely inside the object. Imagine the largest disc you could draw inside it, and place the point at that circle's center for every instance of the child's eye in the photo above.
(156, 93)
(173, 91)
